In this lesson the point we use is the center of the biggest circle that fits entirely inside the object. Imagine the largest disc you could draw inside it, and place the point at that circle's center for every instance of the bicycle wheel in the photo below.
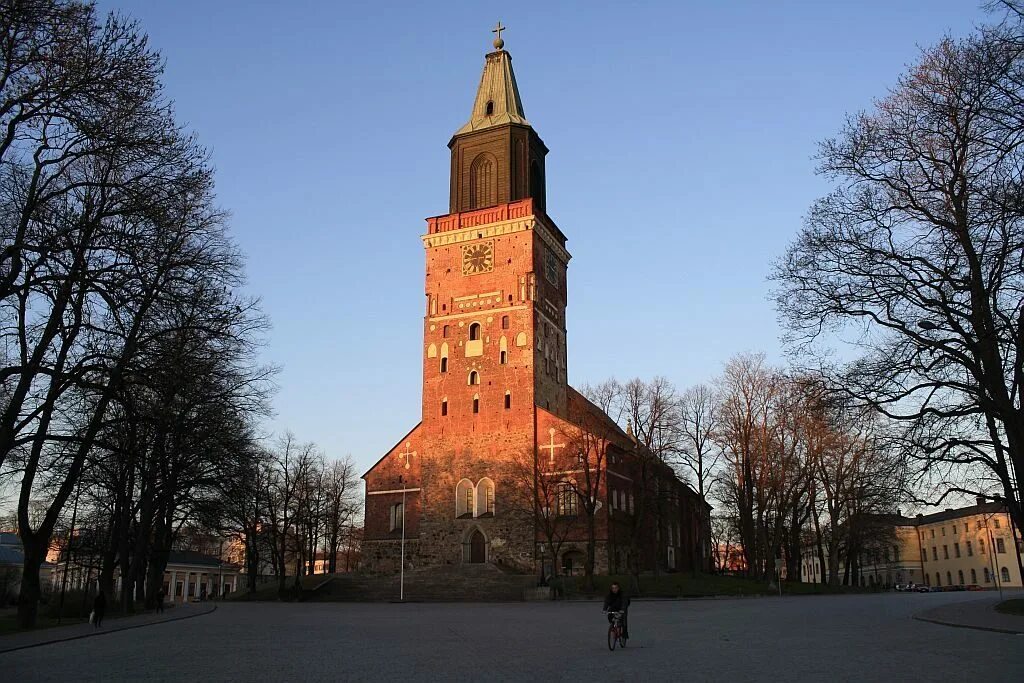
(622, 639)
(613, 637)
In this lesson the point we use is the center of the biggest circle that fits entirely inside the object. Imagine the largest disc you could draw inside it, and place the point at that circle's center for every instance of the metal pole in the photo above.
(401, 583)
(992, 556)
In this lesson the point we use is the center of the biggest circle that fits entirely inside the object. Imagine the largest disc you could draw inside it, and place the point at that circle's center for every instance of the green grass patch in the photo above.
(1015, 606)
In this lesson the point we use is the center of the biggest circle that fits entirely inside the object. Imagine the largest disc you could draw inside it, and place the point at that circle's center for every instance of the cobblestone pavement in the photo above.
(814, 638)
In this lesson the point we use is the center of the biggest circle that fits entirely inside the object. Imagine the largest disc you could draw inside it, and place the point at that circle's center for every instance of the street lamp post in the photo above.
(401, 581)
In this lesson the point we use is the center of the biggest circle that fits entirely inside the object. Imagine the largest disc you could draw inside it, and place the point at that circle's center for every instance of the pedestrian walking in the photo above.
(160, 601)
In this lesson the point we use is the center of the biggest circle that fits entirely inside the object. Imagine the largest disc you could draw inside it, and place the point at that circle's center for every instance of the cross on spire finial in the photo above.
(498, 42)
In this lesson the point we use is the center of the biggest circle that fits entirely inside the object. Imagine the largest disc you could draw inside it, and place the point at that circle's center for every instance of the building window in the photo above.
(954, 533)
(935, 554)
(508, 400)
(444, 407)
(464, 499)
(995, 522)
(924, 555)
(956, 550)
(474, 332)
(476, 404)
(503, 357)
(896, 553)
(504, 322)
(945, 552)
(485, 497)
(490, 108)
(1000, 546)
(981, 546)
(566, 502)
(938, 579)
(933, 532)
(960, 575)
(397, 516)
(444, 332)
(943, 531)
(483, 183)
(977, 525)
(970, 549)
(949, 578)
(988, 577)
(1004, 575)
(444, 365)
(474, 378)
(974, 577)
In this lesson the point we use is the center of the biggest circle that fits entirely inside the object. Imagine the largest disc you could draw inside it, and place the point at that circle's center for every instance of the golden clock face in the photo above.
(478, 258)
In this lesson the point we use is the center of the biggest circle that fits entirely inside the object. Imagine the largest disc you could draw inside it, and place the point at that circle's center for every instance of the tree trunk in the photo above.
(31, 586)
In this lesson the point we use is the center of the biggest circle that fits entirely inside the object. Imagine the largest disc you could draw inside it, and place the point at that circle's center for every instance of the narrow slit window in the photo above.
(444, 365)
(490, 108)
(444, 407)
(476, 404)
(508, 400)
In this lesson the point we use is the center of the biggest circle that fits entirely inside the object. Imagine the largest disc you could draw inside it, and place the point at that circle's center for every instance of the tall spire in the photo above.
(497, 99)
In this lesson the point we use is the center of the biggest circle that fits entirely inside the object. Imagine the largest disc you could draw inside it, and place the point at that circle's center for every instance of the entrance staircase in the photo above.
(457, 583)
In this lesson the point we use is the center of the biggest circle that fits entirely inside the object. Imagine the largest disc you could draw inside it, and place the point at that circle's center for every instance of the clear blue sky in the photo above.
(681, 139)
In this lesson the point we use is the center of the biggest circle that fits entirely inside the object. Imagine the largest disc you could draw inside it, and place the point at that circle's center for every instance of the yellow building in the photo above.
(976, 545)
(971, 546)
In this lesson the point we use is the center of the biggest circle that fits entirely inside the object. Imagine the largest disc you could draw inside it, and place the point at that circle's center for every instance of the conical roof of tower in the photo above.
(499, 90)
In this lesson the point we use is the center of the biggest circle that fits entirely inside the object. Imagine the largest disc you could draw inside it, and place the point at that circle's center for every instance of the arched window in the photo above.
(444, 407)
(474, 377)
(483, 182)
(476, 403)
(974, 577)
(521, 339)
(503, 350)
(508, 400)
(465, 499)
(566, 502)
(397, 516)
(960, 575)
(485, 497)
(504, 322)
(490, 108)
(432, 351)
(537, 185)
(444, 331)
(988, 579)
(1004, 575)
(474, 332)
(444, 364)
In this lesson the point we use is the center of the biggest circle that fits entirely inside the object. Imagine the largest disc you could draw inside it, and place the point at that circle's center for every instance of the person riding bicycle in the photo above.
(617, 601)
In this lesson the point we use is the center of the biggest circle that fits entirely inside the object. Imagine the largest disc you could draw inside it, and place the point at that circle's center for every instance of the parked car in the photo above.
(905, 587)
(974, 587)
(925, 589)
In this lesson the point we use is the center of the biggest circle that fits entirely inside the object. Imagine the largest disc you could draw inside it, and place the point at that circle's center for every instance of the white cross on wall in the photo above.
(552, 446)
(407, 454)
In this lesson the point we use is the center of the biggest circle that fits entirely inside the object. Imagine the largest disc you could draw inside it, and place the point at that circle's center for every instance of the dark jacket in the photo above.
(99, 604)
(616, 602)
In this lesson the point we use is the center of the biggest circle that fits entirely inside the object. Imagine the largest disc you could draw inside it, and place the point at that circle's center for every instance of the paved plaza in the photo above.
(811, 638)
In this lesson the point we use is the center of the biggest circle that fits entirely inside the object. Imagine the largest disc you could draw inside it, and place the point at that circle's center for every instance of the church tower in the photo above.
(495, 272)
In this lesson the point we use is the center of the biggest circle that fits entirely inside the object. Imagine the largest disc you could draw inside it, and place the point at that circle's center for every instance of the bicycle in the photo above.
(616, 631)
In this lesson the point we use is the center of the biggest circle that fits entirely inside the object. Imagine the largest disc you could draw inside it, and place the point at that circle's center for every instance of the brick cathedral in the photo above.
(495, 389)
